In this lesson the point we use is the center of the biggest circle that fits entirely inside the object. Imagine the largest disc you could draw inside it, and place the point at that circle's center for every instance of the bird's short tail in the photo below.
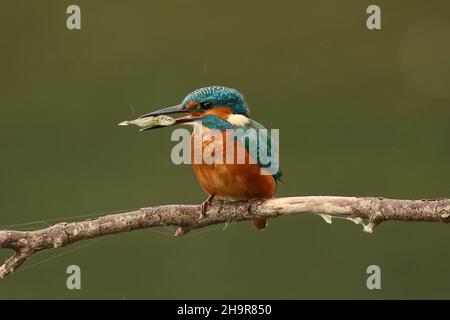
(259, 223)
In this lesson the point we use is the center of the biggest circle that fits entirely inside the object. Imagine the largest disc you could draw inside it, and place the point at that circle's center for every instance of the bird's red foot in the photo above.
(205, 205)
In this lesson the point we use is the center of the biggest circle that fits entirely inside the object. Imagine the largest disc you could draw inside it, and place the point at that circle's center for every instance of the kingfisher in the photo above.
(220, 111)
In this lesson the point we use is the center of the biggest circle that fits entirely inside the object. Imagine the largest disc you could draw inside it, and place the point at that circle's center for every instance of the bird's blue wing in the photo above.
(261, 146)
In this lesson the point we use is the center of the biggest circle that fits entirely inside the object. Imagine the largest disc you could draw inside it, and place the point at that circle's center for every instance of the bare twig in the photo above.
(186, 217)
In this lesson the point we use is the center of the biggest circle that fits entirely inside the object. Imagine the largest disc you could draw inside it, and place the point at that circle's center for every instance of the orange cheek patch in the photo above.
(222, 112)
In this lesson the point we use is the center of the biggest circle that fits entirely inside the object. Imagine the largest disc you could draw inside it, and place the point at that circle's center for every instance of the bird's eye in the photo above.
(206, 105)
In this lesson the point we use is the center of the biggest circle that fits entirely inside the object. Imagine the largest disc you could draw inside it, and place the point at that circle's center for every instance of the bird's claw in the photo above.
(205, 205)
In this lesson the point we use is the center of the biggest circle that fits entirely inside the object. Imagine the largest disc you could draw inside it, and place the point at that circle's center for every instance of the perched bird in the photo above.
(214, 110)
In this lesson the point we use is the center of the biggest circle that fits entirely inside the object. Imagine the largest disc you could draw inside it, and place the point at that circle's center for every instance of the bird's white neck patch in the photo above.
(238, 120)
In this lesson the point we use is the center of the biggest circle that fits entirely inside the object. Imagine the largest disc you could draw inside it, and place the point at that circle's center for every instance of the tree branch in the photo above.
(186, 217)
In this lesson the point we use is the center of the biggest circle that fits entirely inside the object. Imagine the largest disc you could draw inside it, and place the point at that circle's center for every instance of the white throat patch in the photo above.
(238, 120)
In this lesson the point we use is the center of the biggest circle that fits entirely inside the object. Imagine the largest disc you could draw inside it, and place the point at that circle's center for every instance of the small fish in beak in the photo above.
(160, 118)
(150, 122)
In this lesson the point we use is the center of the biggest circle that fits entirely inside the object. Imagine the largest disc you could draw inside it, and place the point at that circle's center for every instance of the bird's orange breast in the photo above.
(232, 180)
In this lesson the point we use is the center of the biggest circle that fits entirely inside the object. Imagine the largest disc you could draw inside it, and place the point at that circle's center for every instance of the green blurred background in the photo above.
(360, 112)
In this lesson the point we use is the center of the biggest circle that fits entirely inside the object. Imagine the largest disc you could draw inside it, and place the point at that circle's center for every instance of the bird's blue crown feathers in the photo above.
(220, 96)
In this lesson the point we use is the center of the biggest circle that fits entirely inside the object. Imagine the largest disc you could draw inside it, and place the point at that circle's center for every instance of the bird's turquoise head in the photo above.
(213, 106)
(215, 97)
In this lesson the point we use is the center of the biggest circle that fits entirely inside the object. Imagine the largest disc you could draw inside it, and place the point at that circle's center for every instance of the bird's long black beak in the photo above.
(194, 114)
(170, 110)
